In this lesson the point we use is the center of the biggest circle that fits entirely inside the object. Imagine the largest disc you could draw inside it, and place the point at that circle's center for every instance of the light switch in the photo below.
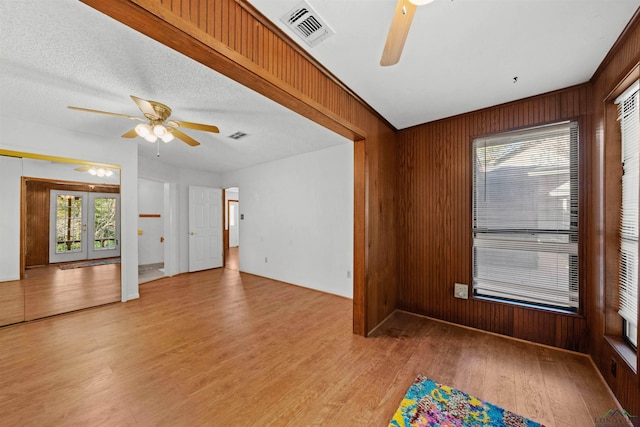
(139, 232)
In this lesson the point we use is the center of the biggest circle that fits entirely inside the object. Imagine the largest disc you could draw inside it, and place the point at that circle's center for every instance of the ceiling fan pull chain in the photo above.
(158, 148)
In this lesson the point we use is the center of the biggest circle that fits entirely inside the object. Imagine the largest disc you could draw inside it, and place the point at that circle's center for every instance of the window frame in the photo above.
(611, 171)
(634, 88)
(582, 205)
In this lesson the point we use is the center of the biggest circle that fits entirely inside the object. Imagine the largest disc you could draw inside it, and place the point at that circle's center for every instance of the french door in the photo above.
(83, 226)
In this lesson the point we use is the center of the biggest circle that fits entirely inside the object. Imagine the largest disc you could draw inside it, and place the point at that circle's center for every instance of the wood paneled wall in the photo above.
(231, 37)
(430, 215)
(36, 232)
(434, 216)
(605, 184)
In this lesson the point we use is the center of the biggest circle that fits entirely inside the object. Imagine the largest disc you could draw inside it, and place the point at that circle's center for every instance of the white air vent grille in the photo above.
(237, 135)
(306, 22)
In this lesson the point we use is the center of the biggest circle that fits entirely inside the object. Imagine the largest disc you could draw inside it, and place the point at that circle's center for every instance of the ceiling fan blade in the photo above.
(126, 116)
(398, 32)
(186, 138)
(131, 134)
(83, 168)
(146, 107)
(197, 126)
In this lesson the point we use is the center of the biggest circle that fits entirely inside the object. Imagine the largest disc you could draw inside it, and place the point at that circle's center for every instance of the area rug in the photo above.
(89, 263)
(428, 403)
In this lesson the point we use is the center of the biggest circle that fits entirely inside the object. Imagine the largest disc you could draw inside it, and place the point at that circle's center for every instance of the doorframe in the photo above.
(228, 230)
(61, 182)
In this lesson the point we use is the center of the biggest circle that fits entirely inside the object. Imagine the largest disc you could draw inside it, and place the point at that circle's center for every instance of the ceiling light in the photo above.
(159, 131)
(109, 172)
(93, 171)
(151, 137)
(167, 137)
(420, 2)
(143, 129)
(101, 172)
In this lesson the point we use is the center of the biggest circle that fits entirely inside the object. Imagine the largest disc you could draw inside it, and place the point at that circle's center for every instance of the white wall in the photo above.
(10, 183)
(150, 201)
(176, 212)
(298, 213)
(32, 137)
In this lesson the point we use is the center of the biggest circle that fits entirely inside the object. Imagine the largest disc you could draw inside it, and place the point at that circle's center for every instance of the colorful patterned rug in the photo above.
(89, 263)
(428, 403)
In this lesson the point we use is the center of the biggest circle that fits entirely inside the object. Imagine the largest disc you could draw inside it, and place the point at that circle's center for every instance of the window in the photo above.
(525, 216)
(629, 115)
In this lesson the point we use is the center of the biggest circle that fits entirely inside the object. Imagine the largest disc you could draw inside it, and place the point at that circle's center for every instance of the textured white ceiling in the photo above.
(462, 55)
(56, 53)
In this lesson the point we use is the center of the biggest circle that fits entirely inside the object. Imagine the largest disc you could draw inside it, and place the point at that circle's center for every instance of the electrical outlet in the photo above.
(614, 367)
(461, 291)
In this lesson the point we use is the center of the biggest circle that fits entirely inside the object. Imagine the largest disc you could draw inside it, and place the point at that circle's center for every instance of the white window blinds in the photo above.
(629, 115)
(525, 216)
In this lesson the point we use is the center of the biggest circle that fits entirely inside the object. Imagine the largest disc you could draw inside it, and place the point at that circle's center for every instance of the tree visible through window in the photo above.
(525, 216)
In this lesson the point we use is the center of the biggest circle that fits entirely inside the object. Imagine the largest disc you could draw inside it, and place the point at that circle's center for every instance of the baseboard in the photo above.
(147, 267)
(132, 296)
(9, 278)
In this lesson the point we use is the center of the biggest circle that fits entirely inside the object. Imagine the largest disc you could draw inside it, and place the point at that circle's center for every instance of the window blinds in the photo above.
(629, 124)
(525, 216)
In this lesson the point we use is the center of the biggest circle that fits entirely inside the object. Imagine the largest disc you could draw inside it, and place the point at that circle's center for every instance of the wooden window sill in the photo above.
(625, 352)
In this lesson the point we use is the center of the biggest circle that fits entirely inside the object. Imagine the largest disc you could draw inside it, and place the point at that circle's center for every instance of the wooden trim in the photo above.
(149, 215)
(624, 83)
(23, 225)
(360, 325)
(296, 47)
(25, 155)
(154, 20)
(613, 52)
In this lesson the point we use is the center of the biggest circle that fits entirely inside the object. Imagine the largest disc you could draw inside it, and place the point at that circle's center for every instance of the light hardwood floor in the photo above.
(223, 348)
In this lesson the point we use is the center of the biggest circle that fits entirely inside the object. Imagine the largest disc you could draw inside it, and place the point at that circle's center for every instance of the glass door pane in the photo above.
(68, 226)
(105, 225)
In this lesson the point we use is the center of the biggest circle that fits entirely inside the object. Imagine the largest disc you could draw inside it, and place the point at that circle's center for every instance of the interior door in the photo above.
(205, 228)
(234, 235)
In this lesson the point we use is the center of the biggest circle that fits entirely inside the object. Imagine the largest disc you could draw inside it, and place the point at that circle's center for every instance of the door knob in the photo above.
(161, 239)
(192, 233)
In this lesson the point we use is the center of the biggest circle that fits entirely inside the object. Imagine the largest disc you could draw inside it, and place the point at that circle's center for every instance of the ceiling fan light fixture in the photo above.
(420, 2)
(108, 173)
(167, 137)
(151, 138)
(93, 171)
(159, 131)
(143, 129)
(101, 172)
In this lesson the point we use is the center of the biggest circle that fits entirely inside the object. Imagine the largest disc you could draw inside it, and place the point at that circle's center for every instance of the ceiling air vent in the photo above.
(306, 23)
(237, 135)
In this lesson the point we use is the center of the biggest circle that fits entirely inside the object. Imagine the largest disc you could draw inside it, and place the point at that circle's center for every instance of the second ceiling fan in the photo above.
(158, 127)
(405, 9)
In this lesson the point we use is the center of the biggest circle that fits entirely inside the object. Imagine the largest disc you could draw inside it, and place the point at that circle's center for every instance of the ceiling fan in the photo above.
(158, 127)
(400, 24)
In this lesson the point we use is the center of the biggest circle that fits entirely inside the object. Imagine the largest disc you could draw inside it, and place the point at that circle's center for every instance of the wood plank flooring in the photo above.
(49, 290)
(224, 348)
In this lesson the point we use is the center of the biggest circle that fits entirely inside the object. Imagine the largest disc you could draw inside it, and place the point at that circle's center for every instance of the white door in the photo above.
(205, 228)
(83, 225)
(234, 235)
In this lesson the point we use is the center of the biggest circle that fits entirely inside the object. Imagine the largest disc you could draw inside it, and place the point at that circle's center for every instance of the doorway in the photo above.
(84, 269)
(83, 226)
(233, 217)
